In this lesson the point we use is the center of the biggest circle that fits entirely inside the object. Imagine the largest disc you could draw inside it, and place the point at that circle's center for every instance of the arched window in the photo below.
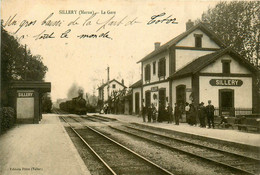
(147, 75)
(162, 68)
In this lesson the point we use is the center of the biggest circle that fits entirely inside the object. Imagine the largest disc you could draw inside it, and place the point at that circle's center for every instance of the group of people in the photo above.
(192, 113)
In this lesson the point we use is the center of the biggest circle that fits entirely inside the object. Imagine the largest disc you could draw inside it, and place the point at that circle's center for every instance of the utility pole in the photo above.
(108, 86)
(25, 64)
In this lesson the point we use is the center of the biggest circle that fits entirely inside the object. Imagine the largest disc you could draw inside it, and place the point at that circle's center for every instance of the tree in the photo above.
(237, 24)
(46, 103)
(17, 63)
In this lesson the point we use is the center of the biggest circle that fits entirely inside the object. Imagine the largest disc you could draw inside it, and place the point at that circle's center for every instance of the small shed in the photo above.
(27, 99)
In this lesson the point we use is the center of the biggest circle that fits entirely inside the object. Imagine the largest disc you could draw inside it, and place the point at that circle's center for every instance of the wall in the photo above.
(216, 67)
(183, 57)
(189, 41)
(242, 94)
(160, 85)
(154, 77)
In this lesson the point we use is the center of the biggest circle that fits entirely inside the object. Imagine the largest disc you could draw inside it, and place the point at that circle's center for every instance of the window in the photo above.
(147, 75)
(161, 68)
(154, 67)
(226, 66)
(113, 86)
(198, 40)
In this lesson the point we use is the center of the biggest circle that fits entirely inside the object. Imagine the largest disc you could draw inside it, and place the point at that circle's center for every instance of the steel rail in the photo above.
(93, 151)
(195, 144)
(186, 152)
(131, 151)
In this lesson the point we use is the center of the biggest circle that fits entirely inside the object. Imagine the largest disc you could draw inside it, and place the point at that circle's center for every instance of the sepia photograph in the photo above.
(151, 87)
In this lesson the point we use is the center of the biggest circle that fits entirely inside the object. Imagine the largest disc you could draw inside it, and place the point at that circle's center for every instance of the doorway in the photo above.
(226, 102)
(137, 104)
(181, 94)
(162, 97)
(147, 98)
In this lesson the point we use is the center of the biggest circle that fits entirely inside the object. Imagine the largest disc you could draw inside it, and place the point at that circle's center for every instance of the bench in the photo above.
(229, 122)
(248, 124)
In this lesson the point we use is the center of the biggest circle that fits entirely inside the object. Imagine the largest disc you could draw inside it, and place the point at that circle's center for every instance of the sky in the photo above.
(79, 39)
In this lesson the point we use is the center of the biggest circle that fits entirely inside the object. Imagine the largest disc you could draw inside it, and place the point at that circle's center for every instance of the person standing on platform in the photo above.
(192, 114)
(149, 113)
(160, 112)
(144, 113)
(210, 114)
(201, 114)
(176, 114)
(204, 114)
(169, 113)
(154, 111)
(187, 112)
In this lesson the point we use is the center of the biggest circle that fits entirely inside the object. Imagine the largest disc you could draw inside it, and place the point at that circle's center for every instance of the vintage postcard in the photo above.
(174, 83)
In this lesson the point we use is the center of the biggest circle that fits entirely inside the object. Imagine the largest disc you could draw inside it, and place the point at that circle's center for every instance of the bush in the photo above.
(7, 118)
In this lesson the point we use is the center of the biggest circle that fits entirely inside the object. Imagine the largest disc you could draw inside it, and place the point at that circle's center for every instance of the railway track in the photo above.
(94, 119)
(232, 161)
(117, 158)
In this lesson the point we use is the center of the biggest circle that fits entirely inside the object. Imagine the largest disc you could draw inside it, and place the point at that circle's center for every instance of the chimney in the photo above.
(156, 45)
(189, 24)
(123, 82)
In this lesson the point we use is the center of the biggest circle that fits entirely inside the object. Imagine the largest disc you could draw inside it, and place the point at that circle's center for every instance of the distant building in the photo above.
(113, 85)
(136, 96)
(196, 66)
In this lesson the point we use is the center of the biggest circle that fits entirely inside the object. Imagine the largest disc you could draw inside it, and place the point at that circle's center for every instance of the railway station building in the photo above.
(196, 66)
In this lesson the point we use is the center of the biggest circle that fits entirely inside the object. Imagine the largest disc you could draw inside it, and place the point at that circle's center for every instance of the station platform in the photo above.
(40, 149)
(225, 135)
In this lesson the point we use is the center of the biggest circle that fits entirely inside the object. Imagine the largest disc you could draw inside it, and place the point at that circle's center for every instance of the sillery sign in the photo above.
(225, 82)
(25, 94)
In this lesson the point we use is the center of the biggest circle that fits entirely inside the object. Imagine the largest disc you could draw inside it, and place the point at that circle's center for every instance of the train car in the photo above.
(75, 106)
(79, 105)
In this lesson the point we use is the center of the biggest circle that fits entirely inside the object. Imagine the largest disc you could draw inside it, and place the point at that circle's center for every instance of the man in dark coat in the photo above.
(202, 114)
(169, 113)
(177, 113)
(144, 112)
(210, 114)
(193, 115)
(150, 113)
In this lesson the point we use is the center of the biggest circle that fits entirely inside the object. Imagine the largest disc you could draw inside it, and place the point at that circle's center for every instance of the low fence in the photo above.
(234, 111)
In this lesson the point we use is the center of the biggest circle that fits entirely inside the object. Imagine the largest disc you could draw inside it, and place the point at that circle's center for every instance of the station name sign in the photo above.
(225, 82)
(154, 89)
(25, 94)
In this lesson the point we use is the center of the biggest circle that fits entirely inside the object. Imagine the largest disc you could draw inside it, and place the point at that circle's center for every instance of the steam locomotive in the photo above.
(75, 106)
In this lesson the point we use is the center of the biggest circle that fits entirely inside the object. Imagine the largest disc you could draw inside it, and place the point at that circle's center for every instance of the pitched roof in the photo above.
(178, 38)
(203, 61)
(103, 85)
(136, 84)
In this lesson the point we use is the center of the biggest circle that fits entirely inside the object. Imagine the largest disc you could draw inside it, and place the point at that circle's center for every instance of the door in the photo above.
(162, 104)
(162, 97)
(137, 104)
(181, 94)
(147, 98)
(226, 102)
